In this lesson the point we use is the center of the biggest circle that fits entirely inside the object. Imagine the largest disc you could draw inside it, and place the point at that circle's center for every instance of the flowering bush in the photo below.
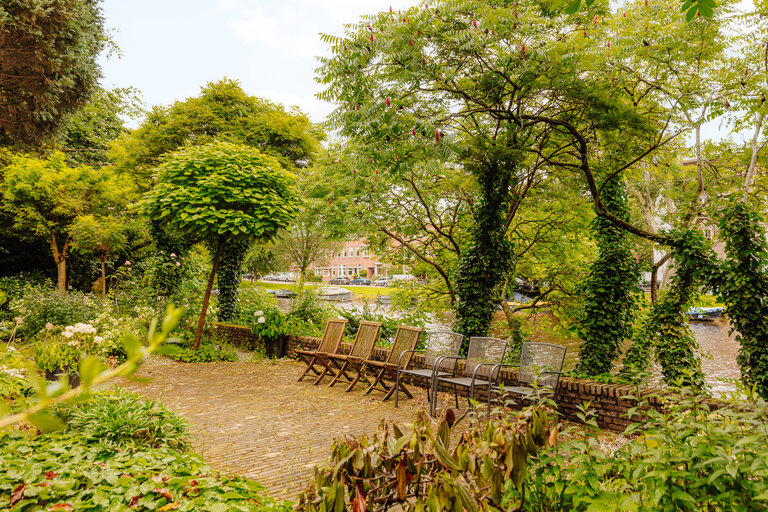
(41, 305)
(13, 386)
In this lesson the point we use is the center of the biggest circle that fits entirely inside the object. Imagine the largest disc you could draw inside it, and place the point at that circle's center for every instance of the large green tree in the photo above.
(47, 197)
(48, 66)
(222, 193)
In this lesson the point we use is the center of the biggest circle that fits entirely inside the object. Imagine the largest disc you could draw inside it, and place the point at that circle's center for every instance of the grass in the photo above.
(358, 292)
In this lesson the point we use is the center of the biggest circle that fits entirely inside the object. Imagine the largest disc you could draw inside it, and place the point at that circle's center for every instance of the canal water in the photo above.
(718, 347)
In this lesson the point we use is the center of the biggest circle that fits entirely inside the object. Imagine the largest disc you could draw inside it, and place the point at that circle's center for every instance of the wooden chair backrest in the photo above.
(407, 338)
(365, 340)
(334, 331)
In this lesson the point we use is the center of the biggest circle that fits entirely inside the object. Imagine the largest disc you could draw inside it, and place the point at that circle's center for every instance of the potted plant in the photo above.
(268, 325)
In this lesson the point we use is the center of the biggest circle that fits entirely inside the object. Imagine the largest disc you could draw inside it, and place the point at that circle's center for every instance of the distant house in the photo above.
(352, 258)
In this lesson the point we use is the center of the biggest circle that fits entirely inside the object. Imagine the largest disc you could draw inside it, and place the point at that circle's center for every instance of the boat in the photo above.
(284, 293)
(383, 299)
(705, 314)
(334, 293)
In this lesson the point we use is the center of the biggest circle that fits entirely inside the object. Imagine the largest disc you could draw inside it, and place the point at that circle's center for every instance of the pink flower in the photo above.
(128, 263)
(173, 255)
(178, 264)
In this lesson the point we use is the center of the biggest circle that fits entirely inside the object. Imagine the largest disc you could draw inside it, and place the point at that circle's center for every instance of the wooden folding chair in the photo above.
(340, 364)
(406, 340)
(334, 331)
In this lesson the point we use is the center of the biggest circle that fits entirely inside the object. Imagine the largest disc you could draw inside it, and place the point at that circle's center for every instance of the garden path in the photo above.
(255, 420)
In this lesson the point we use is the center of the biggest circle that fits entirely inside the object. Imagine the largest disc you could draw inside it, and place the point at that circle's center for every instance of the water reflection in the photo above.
(719, 348)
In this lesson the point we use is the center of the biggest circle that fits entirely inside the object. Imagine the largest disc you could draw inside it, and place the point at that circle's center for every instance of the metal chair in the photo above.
(439, 344)
(484, 353)
(541, 365)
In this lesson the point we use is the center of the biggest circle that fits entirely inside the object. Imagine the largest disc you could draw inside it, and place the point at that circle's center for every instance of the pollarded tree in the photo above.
(48, 68)
(222, 192)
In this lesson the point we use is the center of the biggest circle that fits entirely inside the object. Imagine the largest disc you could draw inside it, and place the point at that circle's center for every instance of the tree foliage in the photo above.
(48, 68)
(222, 192)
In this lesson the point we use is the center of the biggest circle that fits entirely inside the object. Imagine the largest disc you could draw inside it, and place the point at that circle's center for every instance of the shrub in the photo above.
(126, 421)
(308, 313)
(40, 305)
(65, 471)
(206, 353)
(388, 325)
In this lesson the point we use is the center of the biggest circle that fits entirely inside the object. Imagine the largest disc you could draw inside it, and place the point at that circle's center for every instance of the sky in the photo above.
(171, 48)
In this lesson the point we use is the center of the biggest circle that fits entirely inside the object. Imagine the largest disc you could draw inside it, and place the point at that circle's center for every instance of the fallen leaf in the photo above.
(50, 475)
(164, 493)
(61, 506)
(134, 501)
(170, 506)
(18, 494)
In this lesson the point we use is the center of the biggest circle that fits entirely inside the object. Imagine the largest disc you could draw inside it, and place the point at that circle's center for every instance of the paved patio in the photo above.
(254, 419)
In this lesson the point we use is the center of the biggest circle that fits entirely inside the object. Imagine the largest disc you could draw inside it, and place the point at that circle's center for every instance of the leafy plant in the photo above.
(416, 469)
(206, 353)
(126, 421)
(41, 305)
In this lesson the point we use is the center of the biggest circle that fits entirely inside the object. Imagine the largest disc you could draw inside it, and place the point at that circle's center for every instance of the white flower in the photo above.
(67, 334)
(73, 343)
(13, 372)
(259, 313)
(48, 326)
(98, 339)
(261, 320)
(69, 328)
(11, 349)
(18, 320)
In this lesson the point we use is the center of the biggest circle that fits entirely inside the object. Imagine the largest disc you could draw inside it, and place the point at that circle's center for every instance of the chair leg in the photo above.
(320, 377)
(397, 383)
(376, 380)
(339, 374)
(310, 365)
(456, 395)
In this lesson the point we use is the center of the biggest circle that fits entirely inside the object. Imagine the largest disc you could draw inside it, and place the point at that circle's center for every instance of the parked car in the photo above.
(339, 280)
(360, 280)
(382, 281)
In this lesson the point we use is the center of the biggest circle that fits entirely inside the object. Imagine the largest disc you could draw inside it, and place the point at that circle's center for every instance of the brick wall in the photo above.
(606, 399)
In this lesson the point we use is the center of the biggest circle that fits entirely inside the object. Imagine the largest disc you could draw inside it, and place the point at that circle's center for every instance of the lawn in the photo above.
(358, 292)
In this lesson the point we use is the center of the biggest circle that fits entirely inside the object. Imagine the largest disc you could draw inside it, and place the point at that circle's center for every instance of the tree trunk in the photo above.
(103, 277)
(204, 309)
(60, 257)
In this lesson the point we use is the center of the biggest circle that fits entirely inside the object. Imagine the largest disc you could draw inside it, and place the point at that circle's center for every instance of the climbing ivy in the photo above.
(486, 260)
(666, 329)
(228, 279)
(741, 280)
(611, 291)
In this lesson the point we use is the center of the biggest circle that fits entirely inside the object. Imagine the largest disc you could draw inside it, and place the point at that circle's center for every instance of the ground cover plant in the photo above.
(117, 453)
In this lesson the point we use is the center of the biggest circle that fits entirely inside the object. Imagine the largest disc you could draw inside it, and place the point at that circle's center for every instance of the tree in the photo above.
(86, 135)
(48, 197)
(222, 111)
(48, 67)
(222, 192)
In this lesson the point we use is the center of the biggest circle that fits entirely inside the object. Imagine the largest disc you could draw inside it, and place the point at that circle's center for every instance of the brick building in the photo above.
(351, 258)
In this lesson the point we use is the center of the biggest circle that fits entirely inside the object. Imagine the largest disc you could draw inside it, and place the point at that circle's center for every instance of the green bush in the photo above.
(126, 421)
(308, 313)
(206, 353)
(41, 305)
(65, 471)
(688, 458)
(388, 325)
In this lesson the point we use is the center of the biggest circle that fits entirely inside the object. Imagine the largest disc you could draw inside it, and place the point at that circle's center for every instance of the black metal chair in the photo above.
(541, 365)
(439, 344)
(484, 357)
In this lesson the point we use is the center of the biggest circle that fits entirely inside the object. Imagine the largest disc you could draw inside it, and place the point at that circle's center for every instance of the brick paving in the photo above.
(254, 419)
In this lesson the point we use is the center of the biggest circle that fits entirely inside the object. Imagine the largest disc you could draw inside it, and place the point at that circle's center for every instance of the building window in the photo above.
(365, 253)
(345, 253)
(325, 272)
(357, 252)
(351, 272)
(708, 233)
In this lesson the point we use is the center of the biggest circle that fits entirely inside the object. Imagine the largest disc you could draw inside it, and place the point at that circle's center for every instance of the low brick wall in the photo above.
(605, 399)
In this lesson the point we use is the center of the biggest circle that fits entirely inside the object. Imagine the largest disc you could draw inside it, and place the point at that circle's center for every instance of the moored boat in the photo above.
(705, 314)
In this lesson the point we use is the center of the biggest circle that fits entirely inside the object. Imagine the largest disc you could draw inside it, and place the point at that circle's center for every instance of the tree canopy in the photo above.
(48, 67)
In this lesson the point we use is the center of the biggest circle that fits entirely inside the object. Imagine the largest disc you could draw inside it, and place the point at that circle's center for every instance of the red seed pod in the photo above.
(410, 41)
(515, 14)
(608, 44)
(437, 136)
(413, 132)
(474, 22)
(514, 26)
(371, 36)
(370, 27)
(595, 20)
(625, 14)
(390, 8)
(388, 103)
(585, 33)
(522, 49)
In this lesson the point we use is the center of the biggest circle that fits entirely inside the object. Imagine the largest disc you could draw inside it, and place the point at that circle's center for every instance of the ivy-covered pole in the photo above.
(487, 259)
(222, 193)
(228, 279)
(611, 289)
(742, 283)
(666, 330)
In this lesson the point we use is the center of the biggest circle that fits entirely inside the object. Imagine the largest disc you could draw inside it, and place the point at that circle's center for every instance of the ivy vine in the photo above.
(741, 281)
(611, 290)
(228, 279)
(666, 330)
